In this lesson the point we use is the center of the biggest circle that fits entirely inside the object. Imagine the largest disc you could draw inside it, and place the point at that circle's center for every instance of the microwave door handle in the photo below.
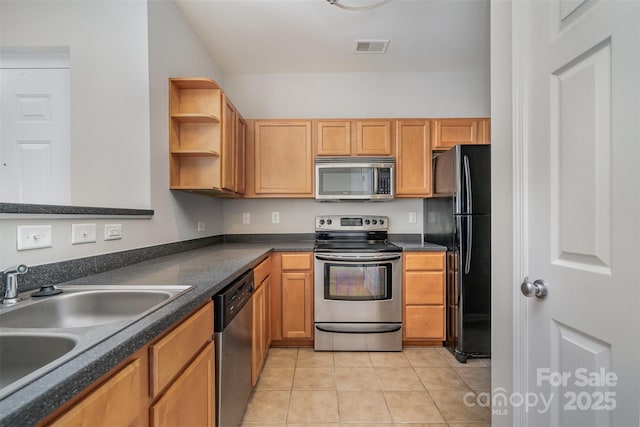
(375, 180)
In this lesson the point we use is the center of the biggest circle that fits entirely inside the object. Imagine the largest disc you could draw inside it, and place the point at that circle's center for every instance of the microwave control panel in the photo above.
(384, 181)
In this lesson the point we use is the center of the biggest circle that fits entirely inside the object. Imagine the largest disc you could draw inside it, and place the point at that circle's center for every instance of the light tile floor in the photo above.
(417, 387)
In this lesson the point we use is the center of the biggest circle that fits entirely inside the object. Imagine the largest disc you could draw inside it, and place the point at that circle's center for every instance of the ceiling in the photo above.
(313, 36)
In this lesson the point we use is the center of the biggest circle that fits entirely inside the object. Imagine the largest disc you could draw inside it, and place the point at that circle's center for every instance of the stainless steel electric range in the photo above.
(357, 285)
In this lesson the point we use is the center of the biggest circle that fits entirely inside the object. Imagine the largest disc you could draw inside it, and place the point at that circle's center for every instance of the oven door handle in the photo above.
(369, 329)
(351, 258)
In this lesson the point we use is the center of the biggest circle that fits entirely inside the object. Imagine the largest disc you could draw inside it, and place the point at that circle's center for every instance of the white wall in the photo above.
(335, 95)
(171, 49)
(109, 90)
(298, 216)
(502, 236)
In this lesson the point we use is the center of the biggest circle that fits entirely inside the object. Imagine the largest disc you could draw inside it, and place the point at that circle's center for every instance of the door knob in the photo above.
(536, 289)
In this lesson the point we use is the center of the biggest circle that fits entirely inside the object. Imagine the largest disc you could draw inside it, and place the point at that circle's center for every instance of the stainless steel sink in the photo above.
(79, 309)
(20, 355)
(39, 334)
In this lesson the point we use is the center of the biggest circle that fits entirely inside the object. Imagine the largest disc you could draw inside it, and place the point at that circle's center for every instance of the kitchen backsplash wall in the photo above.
(298, 216)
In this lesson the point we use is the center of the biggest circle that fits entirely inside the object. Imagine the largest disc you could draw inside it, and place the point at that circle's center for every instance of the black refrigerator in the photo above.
(458, 216)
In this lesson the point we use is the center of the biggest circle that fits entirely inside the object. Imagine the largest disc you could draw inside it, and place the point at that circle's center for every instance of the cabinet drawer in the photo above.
(424, 322)
(424, 261)
(297, 261)
(172, 352)
(118, 401)
(424, 287)
(261, 272)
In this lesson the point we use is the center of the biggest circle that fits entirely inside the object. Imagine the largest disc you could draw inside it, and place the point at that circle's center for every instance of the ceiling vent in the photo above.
(370, 46)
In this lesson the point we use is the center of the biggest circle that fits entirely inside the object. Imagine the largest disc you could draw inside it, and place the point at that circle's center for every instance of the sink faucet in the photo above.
(10, 281)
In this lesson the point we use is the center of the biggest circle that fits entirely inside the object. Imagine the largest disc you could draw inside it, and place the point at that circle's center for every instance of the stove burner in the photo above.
(353, 234)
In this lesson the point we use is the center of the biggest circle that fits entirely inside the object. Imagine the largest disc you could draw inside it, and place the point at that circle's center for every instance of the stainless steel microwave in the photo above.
(354, 178)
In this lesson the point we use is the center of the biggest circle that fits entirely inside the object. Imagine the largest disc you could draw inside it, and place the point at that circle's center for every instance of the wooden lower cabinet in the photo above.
(169, 382)
(261, 338)
(188, 402)
(424, 297)
(118, 401)
(292, 298)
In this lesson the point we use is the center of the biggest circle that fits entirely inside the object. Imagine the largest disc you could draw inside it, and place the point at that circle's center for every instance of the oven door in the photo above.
(354, 288)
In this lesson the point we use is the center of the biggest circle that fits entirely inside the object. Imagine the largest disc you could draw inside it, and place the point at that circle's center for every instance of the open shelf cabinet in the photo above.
(195, 134)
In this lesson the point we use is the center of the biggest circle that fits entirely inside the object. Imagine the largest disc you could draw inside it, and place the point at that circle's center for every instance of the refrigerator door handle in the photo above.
(468, 209)
(467, 258)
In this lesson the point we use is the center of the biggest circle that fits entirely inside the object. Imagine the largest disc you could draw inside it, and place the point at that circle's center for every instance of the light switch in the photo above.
(83, 233)
(33, 237)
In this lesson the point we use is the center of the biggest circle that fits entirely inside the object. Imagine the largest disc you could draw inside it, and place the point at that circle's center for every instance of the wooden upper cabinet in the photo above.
(413, 163)
(228, 149)
(194, 134)
(484, 131)
(373, 138)
(333, 138)
(283, 158)
(450, 132)
(240, 158)
(353, 137)
(203, 138)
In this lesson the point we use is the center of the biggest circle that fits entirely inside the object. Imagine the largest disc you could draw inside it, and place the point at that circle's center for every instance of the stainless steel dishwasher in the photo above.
(233, 326)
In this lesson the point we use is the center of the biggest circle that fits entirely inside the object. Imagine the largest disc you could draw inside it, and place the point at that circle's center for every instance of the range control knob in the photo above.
(329, 222)
(381, 221)
(374, 221)
(321, 221)
(366, 221)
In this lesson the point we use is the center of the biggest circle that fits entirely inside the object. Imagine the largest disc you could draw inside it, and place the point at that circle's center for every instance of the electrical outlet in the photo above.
(112, 231)
(246, 218)
(33, 237)
(200, 226)
(413, 217)
(275, 217)
(83, 233)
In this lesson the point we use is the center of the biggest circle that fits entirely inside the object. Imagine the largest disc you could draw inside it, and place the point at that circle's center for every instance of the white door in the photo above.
(579, 353)
(35, 159)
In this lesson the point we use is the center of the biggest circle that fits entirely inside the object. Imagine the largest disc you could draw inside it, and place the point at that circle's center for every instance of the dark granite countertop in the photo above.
(207, 269)
(419, 247)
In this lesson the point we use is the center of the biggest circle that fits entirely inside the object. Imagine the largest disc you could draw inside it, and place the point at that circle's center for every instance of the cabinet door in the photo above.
(117, 402)
(413, 164)
(333, 138)
(228, 148)
(373, 138)
(450, 132)
(266, 284)
(189, 401)
(484, 131)
(283, 158)
(257, 344)
(172, 352)
(297, 305)
(241, 142)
